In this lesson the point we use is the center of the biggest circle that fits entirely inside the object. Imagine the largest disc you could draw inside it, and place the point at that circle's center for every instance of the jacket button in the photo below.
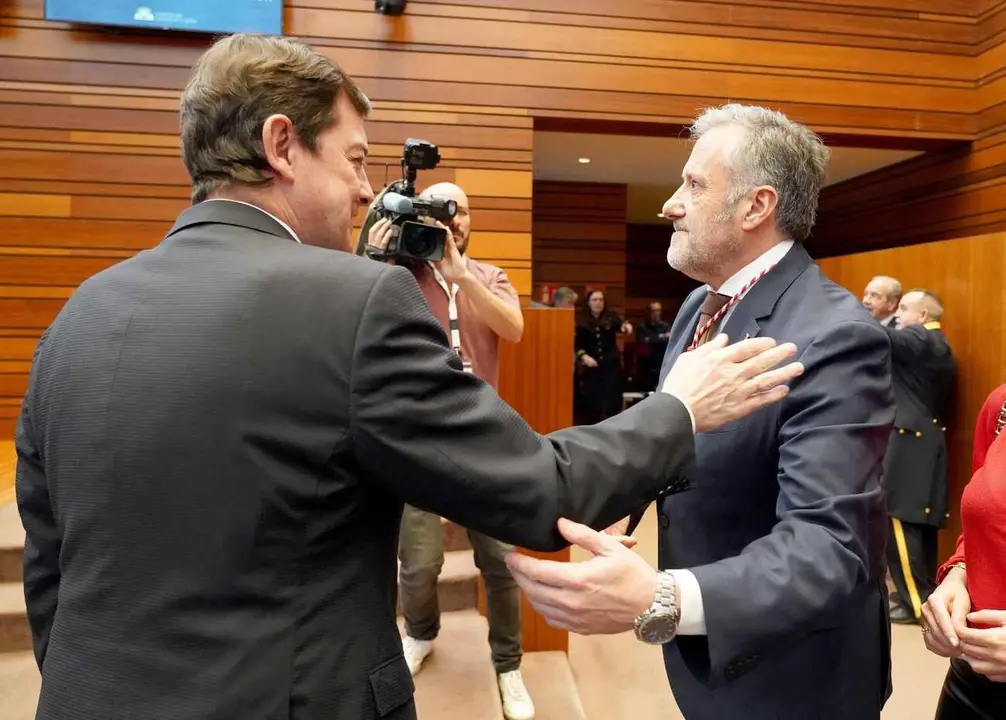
(664, 522)
(943, 429)
(935, 421)
(901, 431)
(928, 510)
(948, 516)
(918, 434)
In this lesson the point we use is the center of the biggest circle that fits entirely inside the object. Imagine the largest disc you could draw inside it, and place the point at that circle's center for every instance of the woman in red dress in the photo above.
(965, 617)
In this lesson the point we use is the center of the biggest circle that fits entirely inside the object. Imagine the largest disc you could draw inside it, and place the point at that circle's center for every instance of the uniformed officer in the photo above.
(915, 468)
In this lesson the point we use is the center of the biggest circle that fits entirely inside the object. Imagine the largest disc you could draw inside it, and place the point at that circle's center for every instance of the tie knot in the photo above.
(713, 303)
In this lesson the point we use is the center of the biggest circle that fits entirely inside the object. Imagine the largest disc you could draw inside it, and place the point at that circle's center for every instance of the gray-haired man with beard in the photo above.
(770, 602)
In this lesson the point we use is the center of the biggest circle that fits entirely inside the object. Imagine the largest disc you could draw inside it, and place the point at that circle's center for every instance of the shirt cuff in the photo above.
(693, 615)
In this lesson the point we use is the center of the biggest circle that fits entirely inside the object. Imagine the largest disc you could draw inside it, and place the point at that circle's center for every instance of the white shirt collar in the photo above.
(242, 202)
(750, 271)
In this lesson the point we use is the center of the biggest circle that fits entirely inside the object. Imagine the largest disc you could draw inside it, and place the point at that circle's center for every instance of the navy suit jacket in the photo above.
(785, 524)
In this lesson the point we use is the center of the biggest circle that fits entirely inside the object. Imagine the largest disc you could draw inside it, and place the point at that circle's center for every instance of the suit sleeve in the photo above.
(442, 439)
(907, 343)
(833, 432)
(42, 540)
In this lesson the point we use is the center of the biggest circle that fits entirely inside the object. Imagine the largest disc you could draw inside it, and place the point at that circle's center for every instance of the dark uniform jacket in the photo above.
(915, 467)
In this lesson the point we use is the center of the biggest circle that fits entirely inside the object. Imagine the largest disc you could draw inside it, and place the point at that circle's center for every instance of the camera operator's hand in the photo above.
(453, 266)
(720, 384)
(380, 235)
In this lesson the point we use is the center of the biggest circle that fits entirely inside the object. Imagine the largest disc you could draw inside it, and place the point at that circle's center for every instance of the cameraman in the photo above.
(477, 305)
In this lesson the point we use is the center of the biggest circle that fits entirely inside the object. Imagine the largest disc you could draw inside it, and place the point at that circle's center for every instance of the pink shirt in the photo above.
(479, 344)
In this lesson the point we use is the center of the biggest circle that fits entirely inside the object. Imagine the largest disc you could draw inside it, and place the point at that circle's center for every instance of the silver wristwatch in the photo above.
(659, 623)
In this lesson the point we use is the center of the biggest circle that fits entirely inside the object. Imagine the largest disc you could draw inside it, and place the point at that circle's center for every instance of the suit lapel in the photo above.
(682, 330)
(760, 301)
(743, 323)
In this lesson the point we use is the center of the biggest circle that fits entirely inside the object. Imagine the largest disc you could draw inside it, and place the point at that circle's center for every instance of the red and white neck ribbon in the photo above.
(705, 327)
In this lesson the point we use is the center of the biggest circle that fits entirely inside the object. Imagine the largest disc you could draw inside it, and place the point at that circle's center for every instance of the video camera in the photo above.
(412, 237)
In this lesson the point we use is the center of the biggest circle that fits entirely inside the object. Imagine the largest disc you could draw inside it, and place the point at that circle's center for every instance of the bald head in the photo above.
(881, 296)
(461, 223)
(919, 307)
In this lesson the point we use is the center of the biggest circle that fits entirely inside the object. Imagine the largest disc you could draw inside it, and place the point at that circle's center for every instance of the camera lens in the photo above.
(420, 240)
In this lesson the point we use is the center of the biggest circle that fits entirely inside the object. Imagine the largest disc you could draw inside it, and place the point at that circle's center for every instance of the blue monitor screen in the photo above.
(209, 16)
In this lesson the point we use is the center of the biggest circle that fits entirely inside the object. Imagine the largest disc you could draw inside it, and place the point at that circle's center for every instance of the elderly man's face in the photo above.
(706, 232)
(877, 299)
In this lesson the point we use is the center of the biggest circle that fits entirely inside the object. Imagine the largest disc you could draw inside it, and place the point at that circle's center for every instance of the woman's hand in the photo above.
(945, 613)
(588, 361)
(627, 327)
(984, 649)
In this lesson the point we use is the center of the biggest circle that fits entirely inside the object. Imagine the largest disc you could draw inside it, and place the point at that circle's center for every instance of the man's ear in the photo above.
(278, 141)
(763, 204)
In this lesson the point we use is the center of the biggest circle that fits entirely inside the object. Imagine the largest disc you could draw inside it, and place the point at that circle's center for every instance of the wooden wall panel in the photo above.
(89, 168)
(953, 193)
(536, 380)
(579, 237)
(647, 274)
(968, 275)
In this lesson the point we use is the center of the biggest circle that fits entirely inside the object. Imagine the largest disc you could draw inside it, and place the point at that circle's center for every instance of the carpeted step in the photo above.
(457, 681)
(15, 635)
(19, 685)
(11, 544)
(552, 687)
(455, 536)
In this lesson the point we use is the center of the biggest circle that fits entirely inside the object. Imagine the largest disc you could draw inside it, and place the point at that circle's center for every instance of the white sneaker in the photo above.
(517, 703)
(415, 652)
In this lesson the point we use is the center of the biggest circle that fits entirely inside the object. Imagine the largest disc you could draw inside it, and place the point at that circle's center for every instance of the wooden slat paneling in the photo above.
(968, 275)
(953, 193)
(88, 119)
(648, 276)
(579, 237)
(536, 380)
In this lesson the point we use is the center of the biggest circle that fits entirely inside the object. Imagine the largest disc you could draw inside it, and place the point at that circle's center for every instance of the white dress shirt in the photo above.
(693, 615)
(242, 202)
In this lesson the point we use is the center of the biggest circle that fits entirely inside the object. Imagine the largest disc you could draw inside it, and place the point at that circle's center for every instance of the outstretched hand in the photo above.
(722, 383)
(602, 595)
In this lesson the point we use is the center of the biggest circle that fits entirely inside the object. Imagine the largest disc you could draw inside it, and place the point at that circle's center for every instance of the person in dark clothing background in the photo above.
(651, 336)
(915, 467)
(599, 358)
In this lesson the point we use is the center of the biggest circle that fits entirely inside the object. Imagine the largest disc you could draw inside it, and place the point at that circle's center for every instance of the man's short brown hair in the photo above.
(238, 83)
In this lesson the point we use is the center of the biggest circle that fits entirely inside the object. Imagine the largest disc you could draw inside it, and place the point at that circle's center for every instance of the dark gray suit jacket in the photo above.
(785, 526)
(213, 453)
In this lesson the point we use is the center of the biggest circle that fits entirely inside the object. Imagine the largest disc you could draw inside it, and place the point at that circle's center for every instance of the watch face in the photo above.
(658, 629)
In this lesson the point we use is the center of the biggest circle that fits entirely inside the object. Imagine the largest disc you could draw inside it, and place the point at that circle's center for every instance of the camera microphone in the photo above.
(442, 209)
(399, 204)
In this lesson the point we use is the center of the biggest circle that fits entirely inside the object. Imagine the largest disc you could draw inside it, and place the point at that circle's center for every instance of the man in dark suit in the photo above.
(651, 344)
(218, 434)
(771, 600)
(915, 468)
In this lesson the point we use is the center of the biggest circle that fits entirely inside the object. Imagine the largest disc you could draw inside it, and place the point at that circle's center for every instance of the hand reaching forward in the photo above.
(984, 649)
(602, 595)
(721, 383)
